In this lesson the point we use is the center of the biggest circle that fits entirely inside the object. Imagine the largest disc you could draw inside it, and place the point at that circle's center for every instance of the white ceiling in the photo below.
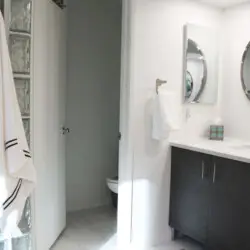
(223, 3)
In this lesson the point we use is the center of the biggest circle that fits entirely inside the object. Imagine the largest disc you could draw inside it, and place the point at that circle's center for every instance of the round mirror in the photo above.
(245, 71)
(196, 72)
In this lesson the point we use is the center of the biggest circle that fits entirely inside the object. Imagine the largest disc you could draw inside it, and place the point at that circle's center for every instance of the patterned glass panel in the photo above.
(22, 243)
(19, 46)
(26, 125)
(21, 16)
(23, 95)
(25, 222)
(20, 53)
(2, 243)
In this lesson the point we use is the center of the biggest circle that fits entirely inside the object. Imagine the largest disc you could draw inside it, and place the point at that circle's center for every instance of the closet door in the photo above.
(49, 118)
(57, 114)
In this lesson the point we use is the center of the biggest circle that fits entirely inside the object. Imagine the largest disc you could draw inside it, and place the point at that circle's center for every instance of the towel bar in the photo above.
(159, 82)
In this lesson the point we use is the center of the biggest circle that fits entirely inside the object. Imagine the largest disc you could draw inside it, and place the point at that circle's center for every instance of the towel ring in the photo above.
(159, 82)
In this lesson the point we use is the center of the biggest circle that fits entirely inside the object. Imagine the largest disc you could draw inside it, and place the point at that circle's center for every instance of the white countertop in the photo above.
(229, 148)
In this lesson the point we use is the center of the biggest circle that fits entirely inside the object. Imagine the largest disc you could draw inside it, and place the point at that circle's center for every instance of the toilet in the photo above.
(112, 184)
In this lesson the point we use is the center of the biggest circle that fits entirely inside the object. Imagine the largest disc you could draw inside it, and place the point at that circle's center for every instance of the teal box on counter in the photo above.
(217, 132)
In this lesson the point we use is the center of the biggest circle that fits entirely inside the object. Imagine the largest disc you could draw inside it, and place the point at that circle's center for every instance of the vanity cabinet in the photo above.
(210, 199)
(189, 192)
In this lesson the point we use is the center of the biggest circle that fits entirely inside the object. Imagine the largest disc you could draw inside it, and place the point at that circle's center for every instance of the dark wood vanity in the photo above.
(210, 199)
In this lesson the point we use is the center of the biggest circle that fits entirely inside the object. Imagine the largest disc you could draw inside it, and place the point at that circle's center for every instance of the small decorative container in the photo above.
(217, 132)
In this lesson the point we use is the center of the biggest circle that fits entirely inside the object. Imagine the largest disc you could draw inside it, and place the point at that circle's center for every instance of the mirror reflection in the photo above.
(196, 72)
(245, 71)
(200, 64)
(189, 84)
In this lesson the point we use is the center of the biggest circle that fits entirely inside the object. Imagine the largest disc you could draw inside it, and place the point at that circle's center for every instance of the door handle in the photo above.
(65, 130)
(202, 169)
(214, 174)
(119, 136)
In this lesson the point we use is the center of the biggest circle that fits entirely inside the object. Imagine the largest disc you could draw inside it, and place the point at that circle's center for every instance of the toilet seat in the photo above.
(113, 180)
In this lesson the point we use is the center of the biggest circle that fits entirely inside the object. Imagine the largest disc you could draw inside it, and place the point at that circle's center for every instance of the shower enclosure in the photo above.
(18, 20)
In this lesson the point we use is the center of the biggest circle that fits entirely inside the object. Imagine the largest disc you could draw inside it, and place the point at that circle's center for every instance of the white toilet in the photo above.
(113, 184)
(113, 187)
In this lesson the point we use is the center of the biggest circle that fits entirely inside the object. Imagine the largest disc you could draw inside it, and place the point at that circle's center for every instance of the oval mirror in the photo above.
(245, 71)
(196, 72)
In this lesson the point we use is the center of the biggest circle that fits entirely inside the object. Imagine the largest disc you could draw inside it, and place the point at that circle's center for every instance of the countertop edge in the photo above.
(210, 152)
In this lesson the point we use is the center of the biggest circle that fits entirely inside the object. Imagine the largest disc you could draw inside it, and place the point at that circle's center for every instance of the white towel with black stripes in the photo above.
(17, 173)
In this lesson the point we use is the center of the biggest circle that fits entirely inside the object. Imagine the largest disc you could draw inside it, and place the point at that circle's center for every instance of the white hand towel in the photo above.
(17, 173)
(166, 114)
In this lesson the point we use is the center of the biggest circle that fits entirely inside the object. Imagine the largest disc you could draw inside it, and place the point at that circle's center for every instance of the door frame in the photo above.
(126, 150)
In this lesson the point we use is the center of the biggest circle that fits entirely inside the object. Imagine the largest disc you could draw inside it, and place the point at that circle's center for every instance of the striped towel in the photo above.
(17, 173)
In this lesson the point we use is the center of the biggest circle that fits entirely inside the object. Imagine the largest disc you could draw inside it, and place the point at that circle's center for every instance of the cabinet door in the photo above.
(229, 223)
(189, 193)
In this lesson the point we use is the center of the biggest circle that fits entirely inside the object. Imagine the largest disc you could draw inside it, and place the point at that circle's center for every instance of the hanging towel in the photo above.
(166, 114)
(17, 173)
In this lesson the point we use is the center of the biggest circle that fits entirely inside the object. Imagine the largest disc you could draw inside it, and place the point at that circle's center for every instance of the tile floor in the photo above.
(95, 229)
(179, 245)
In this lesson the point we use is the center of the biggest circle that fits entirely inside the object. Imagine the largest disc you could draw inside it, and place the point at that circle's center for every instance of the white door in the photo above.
(49, 118)
(57, 114)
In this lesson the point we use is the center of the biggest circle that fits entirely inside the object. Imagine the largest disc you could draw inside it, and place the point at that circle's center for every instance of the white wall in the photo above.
(94, 48)
(235, 106)
(157, 46)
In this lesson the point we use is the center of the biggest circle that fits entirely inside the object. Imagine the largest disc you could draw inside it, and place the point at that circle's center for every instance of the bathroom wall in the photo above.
(157, 45)
(94, 48)
(235, 106)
